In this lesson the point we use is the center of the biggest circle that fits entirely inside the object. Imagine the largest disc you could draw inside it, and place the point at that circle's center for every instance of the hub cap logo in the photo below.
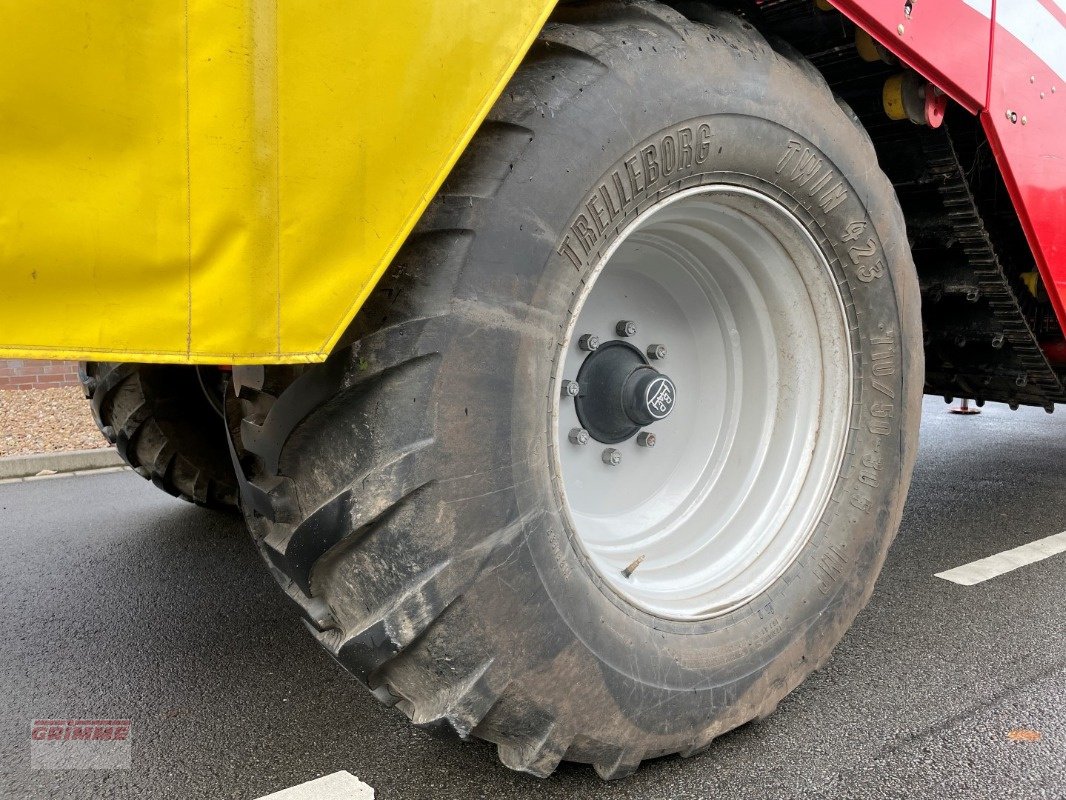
(659, 397)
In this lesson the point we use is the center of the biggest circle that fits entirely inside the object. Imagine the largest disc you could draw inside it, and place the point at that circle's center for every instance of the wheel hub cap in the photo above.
(620, 393)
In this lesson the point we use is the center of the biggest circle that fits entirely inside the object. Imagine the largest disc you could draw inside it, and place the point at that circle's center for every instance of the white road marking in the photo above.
(338, 786)
(985, 568)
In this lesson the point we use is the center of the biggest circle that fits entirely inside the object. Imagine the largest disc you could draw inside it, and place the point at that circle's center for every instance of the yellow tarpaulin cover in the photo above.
(223, 182)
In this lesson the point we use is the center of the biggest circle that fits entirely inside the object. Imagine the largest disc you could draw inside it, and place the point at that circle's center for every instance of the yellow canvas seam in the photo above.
(277, 179)
(188, 189)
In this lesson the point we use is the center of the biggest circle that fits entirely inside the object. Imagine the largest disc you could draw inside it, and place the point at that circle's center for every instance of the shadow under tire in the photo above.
(412, 494)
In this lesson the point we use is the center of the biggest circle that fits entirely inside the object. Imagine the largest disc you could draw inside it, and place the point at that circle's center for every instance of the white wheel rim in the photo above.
(743, 468)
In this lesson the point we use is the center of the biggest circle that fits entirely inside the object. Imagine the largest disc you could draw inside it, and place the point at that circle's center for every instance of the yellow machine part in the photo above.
(191, 181)
(892, 98)
(866, 47)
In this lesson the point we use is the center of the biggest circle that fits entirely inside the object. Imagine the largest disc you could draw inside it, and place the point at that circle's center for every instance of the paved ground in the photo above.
(160, 612)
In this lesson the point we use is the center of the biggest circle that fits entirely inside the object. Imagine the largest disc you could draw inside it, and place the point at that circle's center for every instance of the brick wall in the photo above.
(18, 373)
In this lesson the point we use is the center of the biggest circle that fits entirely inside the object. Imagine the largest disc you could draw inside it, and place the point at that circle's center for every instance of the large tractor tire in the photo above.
(665, 233)
(165, 425)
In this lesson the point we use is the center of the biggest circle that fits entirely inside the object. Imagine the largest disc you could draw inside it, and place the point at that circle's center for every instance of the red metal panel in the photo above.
(1026, 125)
(947, 41)
(1014, 74)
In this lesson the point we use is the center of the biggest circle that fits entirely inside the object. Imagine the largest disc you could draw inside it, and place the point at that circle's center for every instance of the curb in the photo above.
(69, 461)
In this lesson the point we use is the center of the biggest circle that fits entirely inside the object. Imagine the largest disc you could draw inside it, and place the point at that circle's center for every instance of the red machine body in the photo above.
(1004, 60)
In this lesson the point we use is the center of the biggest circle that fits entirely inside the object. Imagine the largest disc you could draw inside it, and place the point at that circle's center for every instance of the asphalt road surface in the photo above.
(117, 601)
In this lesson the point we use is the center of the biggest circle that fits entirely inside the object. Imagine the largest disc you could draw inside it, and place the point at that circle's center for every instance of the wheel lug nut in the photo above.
(657, 351)
(646, 439)
(611, 457)
(571, 388)
(588, 342)
(626, 327)
(578, 436)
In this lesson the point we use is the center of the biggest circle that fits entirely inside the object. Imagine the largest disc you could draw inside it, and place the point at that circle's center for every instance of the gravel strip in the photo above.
(46, 421)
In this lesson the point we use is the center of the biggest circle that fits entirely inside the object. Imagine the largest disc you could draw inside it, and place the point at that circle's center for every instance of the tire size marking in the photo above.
(829, 569)
(871, 465)
(883, 365)
(881, 411)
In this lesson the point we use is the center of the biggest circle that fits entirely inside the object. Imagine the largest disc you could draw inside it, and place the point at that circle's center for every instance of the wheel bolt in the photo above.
(588, 342)
(611, 457)
(578, 436)
(571, 388)
(626, 327)
(646, 439)
(657, 351)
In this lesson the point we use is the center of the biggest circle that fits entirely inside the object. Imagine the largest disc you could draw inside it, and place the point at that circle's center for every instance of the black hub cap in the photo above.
(621, 393)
